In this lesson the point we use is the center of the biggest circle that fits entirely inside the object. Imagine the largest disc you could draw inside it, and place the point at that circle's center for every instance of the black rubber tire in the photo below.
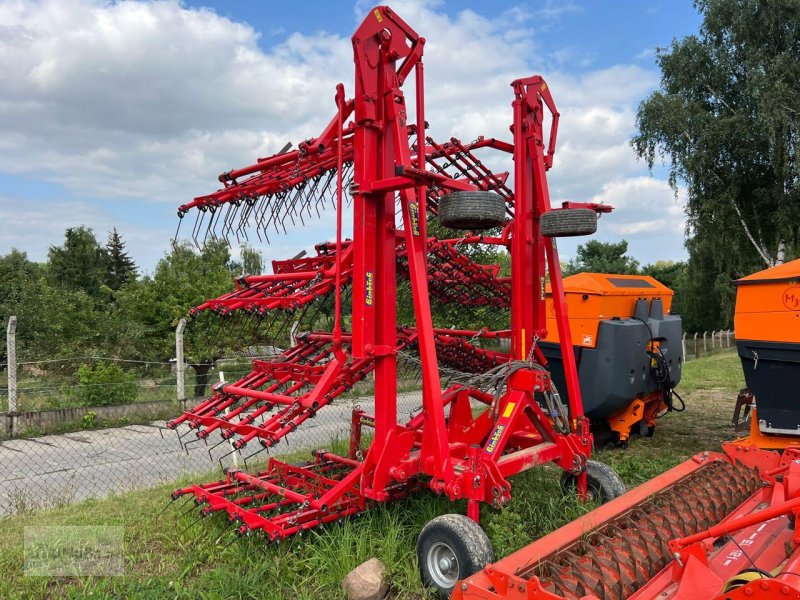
(603, 482)
(472, 211)
(464, 538)
(568, 222)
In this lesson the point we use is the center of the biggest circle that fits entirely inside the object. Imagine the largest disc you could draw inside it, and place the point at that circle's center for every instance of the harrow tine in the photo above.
(197, 225)
(186, 446)
(223, 532)
(178, 229)
(192, 524)
(236, 537)
(191, 508)
(224, 456)
(230, 218)
(261, 216)
(249, 456)
(210, 457)
(243, 218)
(163, 510)
(210, 226)
(180, 443)
(188, 431)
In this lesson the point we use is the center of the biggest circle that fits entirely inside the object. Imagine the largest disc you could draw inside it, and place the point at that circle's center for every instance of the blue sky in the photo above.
(113, 114)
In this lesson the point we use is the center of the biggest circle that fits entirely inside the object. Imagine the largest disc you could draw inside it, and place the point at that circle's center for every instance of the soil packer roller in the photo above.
(720, 526)
(501, 416)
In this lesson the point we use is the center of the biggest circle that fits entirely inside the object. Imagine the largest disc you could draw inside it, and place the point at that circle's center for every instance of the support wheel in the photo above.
(472, 211)
(602, 481)
(568, 222)
(450, 548)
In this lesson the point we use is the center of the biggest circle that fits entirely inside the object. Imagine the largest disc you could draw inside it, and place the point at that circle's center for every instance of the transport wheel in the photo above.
(450, 548)
(568, 222)
(472, 210)
(603, 482)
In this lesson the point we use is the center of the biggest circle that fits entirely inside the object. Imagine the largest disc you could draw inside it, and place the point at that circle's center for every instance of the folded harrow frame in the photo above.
(380, 159)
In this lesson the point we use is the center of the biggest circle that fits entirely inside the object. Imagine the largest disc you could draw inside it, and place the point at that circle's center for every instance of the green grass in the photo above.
(164, 561)
(716, 372)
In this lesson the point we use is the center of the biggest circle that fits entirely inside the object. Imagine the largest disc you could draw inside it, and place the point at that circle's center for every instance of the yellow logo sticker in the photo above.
(413, 210)
(370, 288)
(495, 438)
(509, 409)
(378, 15)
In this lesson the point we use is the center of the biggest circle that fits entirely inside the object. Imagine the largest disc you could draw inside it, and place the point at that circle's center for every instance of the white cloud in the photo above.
(152, 100)
(646, 213)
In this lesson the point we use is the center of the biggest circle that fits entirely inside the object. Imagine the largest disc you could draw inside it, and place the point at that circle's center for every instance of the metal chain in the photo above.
(301, 153)
(529, 360)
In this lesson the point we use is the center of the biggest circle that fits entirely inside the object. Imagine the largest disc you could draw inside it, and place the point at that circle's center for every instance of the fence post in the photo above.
(720, 339)
(11, 352)
(705, 345)
(683, 345)
(230, 439)
(729, 338)
(180, 366)
(696, 349)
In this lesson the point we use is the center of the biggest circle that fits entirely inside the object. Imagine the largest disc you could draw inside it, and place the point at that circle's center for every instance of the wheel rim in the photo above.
(442, 565)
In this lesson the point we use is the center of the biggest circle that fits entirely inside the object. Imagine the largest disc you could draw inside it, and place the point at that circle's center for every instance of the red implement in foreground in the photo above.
(717, 527)
(469, 437)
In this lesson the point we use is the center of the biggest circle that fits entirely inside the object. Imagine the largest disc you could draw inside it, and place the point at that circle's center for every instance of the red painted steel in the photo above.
(384, 160)
(717, 527)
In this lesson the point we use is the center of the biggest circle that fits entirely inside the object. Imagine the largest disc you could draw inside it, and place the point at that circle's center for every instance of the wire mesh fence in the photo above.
(49, 470)
(67, 442)
(75, 437)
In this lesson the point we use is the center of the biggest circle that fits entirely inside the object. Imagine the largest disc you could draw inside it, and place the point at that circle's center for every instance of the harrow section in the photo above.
(284, 499)
(298, 283)
(294, 284)
(278, 395)
(291, 188)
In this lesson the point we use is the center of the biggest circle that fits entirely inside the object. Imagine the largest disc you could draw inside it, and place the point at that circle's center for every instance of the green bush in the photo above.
(104, 385)
(89, 420)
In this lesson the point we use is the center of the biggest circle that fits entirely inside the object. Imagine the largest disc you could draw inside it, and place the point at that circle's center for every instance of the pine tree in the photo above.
(121, 267)
(80, 263)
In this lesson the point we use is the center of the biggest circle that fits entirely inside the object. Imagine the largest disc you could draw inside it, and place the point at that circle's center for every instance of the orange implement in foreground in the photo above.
(719, 526)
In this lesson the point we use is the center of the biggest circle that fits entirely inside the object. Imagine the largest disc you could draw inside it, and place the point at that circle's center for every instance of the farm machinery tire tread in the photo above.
(603, 482)
(472, 210)
(464, 538)
(568, 222)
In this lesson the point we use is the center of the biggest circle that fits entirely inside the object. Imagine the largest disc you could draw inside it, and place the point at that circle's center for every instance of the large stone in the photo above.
(367, 581)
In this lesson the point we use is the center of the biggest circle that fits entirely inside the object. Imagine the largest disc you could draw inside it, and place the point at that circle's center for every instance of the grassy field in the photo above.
(169, 558)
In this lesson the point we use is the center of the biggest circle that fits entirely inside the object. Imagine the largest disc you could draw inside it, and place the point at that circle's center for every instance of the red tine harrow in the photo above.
(499, 413)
